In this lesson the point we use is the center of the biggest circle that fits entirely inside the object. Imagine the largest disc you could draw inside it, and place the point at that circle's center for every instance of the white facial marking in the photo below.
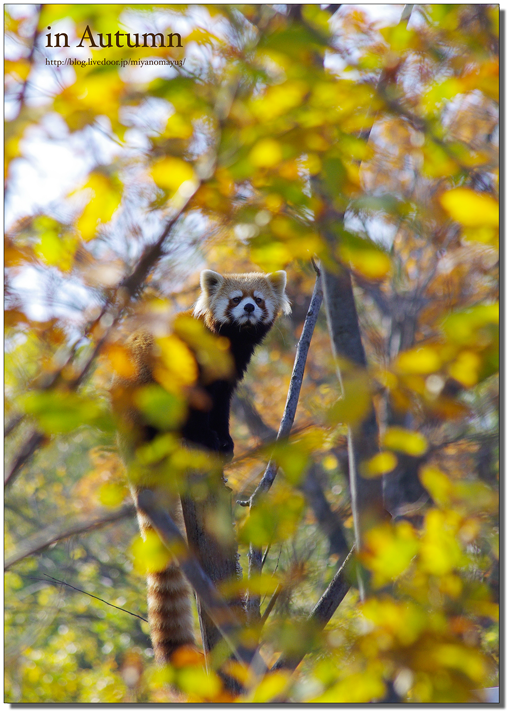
(219, 309)
(235, 293)
(269, 306)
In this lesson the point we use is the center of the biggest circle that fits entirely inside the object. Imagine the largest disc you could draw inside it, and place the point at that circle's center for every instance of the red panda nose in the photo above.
(249, 307)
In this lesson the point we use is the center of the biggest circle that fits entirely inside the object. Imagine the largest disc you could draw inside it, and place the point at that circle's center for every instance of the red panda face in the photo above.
(246, 299)
(245, 307)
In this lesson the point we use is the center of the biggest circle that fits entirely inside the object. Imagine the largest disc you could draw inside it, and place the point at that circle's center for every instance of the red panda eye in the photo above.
(258, 300)
(236, 300)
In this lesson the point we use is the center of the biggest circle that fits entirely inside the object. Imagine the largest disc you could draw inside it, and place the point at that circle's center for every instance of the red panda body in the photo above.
(241, 308)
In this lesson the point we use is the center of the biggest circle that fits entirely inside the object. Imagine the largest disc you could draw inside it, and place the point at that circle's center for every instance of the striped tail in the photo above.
(169, 612)
(169, 603)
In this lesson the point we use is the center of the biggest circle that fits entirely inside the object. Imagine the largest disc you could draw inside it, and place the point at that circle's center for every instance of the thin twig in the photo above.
(53, 581)
(54, 534)
(270, 605)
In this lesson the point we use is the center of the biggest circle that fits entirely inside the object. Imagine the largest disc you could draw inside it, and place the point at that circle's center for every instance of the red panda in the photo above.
(241, 308)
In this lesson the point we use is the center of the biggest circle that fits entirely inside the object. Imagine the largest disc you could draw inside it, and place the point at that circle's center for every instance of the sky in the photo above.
(57, 167)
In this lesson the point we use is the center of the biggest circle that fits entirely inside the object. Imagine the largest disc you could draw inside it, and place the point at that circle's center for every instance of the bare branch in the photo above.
(324, 609)
(293, 394)
(329, 521)
(24, 454)
(53, 534)
(30, 58)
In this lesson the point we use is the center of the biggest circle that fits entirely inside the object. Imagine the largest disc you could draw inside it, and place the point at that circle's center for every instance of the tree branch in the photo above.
(328, 520)
(293, 395)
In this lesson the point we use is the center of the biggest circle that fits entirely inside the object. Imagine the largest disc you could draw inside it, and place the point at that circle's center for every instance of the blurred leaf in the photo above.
(274, 518)
(355, 403)
(388, 551)
(120, 361)
(272, 686)
(212, 351)
(198, 681)
(105, 196)
(409, 442)
(176, 366)
(150, 555)
(470, 208)
(267, 153)
(161, 408)
(477, 326)
(170, 172)
(59, 412)
(420, 360)
(440, 549)
(112, 495)
(378, 465)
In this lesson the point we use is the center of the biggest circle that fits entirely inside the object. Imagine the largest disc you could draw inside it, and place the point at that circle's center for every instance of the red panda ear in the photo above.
(210, 281)
(278, 280)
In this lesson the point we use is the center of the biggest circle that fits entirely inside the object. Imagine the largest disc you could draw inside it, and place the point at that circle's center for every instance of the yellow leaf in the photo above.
(330, 463)
(373, 264)
(388, 551)
(112, 494)
(177, 364)
(468, 660)
(378, 465)
(470, 208)
(440, 549)
(438, 485)
(355, 403)
(466, 367)
(121, 361)
(212, 352)
(237, 670)
(199, 681)
(177, 127)
(271, 256)
(359, 687)
(150, 555)
(273, 685)
(421, 360)
(170, 172)
(106, 195)
(404, 621)
(409, 442)
(266, 153)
